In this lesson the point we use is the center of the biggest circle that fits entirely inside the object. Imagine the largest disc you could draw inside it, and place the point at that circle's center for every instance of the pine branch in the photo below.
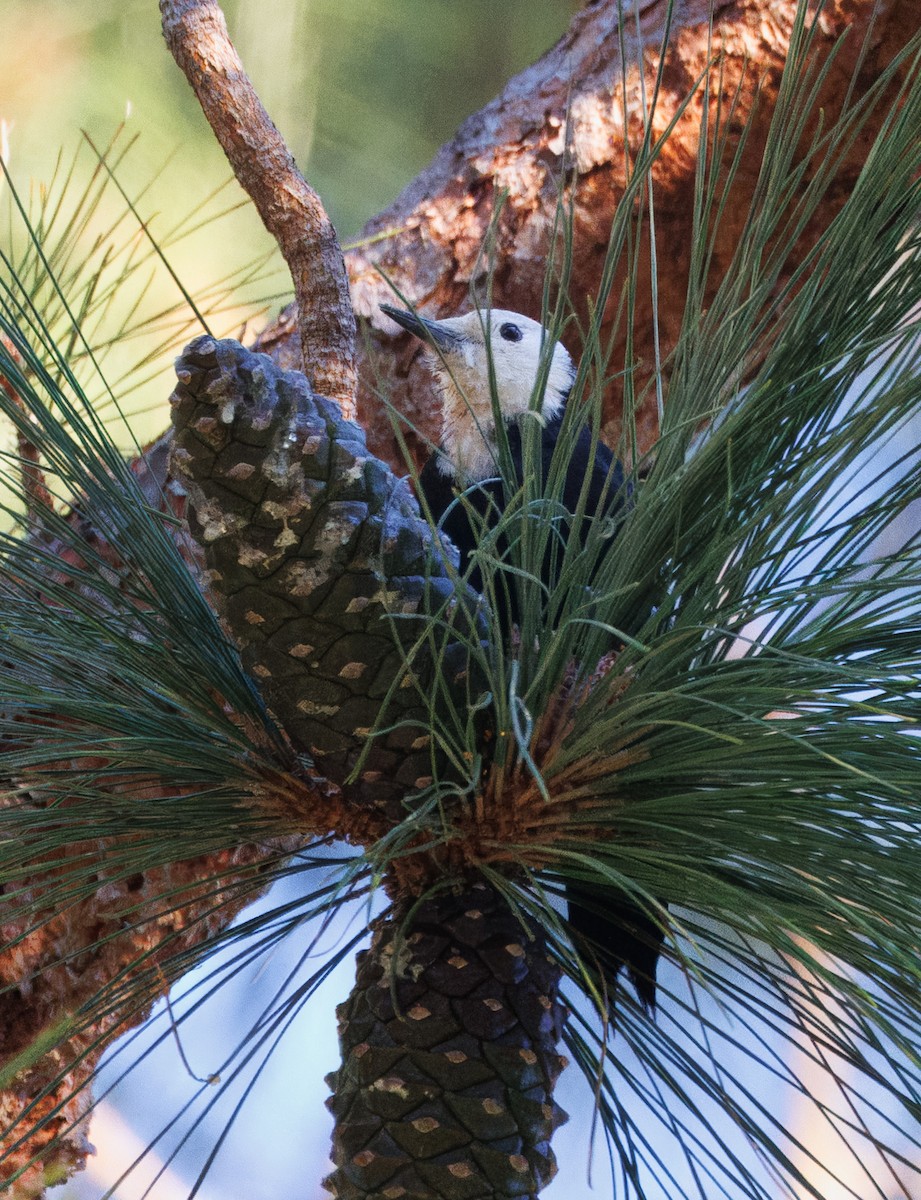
(34, 489)
(575, 120)
(196, 34)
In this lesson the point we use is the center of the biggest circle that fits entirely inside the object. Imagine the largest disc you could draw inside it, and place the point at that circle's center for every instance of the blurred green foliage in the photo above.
(364, 90)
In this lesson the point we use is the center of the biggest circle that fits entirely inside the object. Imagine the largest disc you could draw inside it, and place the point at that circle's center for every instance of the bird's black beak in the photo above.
(430, 332)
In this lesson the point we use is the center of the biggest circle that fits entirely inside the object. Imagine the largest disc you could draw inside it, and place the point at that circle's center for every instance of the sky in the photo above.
(365, 92)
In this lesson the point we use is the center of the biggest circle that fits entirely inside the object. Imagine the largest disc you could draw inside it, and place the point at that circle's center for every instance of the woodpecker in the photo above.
(468, 453)
(608, 924)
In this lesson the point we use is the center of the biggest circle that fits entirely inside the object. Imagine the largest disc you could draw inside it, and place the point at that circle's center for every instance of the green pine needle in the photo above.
(746, 766)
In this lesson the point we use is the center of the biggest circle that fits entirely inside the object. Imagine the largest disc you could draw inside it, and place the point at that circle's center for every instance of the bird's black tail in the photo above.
(613, 932)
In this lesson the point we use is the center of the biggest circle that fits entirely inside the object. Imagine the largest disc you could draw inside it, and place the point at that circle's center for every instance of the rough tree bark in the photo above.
(290, 209)
(523, 142)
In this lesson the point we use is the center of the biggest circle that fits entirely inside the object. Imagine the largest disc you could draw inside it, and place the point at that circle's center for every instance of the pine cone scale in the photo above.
(470, 996)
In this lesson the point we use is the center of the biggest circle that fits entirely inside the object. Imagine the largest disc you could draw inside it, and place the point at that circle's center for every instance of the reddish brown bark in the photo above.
(290, 209)
(520, 142)
(64, 963)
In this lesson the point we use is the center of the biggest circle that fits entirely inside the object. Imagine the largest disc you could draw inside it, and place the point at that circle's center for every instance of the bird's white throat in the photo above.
(515, 346)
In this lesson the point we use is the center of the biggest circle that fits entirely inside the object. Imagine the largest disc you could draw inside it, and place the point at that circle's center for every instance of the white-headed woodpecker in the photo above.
(615, 930)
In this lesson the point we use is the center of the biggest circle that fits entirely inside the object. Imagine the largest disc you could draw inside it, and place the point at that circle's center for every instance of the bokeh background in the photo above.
(364, 91)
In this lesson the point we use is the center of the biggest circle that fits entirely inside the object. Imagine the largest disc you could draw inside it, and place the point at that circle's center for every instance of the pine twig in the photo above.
(196, 33)
(34, 488)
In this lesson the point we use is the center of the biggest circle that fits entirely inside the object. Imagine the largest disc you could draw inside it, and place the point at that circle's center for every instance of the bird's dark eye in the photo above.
(510, 332)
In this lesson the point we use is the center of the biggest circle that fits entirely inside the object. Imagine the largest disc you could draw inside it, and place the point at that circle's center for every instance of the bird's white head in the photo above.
(459, 352)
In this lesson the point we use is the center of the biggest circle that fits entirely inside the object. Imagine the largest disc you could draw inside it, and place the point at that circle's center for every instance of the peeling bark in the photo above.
(51, 969)
(523, 142)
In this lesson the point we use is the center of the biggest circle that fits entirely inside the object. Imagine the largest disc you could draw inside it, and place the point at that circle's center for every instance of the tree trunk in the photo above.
(310, 645)
(429, 242)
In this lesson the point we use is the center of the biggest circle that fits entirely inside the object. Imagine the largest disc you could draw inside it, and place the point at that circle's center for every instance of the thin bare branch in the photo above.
(34, 487)
(196, 33)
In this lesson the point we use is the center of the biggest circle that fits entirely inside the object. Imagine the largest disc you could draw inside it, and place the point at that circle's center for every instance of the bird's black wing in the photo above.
(609, 928)
(441, 491)
(605, 474)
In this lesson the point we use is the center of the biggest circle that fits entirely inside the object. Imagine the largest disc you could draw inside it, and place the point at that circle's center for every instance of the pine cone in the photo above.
(449, 1057)
(312, 544)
